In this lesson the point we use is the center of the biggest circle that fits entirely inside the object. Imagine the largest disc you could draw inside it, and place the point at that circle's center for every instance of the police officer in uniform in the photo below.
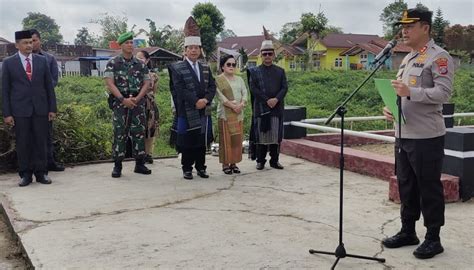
(127, 79)
(424, 83)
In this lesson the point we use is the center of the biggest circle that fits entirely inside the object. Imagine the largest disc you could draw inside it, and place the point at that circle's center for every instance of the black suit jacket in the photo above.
(22, 97)
(181, 93)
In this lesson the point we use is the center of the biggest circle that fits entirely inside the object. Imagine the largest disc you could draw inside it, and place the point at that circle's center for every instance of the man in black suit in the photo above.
(193, 88)
(53, 67)
(29, 103)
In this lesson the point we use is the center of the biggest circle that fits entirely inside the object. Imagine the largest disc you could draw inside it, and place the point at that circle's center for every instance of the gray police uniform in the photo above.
(419, 154)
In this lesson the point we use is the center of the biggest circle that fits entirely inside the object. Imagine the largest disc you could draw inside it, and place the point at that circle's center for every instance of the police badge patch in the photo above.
(442, 65)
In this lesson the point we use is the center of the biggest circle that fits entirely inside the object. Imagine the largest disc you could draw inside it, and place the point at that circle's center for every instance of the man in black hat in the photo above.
(424, 83)
(53, 68)
(29, 103)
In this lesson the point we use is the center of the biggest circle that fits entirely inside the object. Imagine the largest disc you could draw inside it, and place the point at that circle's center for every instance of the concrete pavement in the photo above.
(256, 220)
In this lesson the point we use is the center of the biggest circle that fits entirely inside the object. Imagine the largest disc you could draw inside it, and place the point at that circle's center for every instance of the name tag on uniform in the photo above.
(418, 65)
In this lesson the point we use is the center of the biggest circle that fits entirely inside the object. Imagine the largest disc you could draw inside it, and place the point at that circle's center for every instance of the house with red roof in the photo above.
(309, 52)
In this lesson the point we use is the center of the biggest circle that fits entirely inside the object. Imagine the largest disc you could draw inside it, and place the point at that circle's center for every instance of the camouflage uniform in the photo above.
(129, 76)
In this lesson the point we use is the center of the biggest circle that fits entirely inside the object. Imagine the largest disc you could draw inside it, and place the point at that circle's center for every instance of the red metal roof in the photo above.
(346, 40)
(251, 44)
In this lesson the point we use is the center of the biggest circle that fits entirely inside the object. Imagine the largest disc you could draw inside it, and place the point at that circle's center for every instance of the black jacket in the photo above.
(22, 97)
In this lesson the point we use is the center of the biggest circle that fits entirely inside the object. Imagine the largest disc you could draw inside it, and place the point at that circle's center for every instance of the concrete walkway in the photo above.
(256, 220)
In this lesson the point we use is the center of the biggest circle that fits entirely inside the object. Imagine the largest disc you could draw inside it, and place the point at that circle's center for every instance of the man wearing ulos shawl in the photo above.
(268, 87)
(192, 88)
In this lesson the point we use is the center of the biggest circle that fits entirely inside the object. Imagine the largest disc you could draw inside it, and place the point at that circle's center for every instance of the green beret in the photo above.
(124, 37)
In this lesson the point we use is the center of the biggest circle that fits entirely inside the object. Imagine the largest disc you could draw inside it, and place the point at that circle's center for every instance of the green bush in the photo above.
(83, 130)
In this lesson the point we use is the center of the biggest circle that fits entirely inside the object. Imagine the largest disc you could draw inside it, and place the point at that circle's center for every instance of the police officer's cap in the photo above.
(415, 15)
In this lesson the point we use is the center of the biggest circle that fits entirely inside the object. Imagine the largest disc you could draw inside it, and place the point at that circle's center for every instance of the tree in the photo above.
(46, 26)
(459, 38)
(331, 30)
(111, 27)
(176, 41)
(211, 22)
(226, 33)
(158, 37)
(439, 24)
(313, 24)
(390, 15)
(290, 32)
(165, 37)
(83, 37)
(422, 7)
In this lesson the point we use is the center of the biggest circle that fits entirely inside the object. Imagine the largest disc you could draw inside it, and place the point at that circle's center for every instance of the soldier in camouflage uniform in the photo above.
(128, 80)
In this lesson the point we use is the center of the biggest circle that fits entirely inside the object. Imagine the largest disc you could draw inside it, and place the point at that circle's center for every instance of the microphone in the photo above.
(385, 51)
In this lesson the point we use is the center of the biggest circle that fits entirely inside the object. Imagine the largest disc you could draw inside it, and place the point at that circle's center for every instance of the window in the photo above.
(292, 65)
(338, 62)
(251, 64)
(363, 59)
(317, 64)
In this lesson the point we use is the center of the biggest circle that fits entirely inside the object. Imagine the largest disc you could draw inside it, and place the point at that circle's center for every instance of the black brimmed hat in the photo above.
(415, 15)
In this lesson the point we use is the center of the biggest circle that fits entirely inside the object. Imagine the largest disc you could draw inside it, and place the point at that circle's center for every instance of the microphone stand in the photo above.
(341, 111)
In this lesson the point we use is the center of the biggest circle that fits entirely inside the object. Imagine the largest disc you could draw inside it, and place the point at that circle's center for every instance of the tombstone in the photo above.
(459, 158)
(293, 113)
(448, 112)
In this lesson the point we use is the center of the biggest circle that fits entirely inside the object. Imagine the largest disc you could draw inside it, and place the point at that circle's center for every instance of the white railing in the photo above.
(94, 73)
(310, 123)
(371, 118)
(70, 73)
(346, 131)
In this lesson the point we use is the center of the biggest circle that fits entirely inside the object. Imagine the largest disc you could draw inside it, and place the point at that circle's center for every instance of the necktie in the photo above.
(196, 71)
(28, 69)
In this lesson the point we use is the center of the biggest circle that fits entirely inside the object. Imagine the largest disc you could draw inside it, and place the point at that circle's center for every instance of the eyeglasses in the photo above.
(264, 54)
(231, 64)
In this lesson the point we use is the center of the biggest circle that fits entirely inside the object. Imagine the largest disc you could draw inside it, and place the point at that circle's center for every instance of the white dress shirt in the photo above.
(23, 60)
(195, 67)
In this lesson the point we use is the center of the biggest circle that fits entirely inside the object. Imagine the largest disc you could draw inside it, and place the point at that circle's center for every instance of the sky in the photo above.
(244, 17)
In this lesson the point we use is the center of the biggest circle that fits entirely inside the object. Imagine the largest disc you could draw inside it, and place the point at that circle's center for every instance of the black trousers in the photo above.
(262, 150)
(31, 139)
(196, 156)
(50, 146)
(419, 164)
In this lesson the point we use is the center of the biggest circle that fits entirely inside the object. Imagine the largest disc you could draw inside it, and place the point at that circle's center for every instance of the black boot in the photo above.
(428, 249)
(431, 246)
(149, 159)
(406, 236)
(140, 166)
(117, 171)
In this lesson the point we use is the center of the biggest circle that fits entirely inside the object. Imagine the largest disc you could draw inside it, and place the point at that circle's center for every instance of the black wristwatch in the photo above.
(121, 98)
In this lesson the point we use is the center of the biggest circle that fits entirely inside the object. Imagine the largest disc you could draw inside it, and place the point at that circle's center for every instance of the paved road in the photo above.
(257, 220)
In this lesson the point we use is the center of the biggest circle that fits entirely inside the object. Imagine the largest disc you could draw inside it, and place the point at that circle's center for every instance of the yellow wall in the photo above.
(319, 47)
(283, 63)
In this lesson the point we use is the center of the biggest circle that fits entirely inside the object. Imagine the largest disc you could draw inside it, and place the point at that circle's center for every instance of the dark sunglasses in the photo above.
(231, 64)
(267, 54)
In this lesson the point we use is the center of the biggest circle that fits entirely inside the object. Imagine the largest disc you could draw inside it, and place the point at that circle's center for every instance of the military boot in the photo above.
(406, 236)
(140, 166)
(117, 171)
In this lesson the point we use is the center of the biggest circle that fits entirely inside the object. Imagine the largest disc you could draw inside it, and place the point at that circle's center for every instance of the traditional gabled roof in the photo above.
(290, 49)
(4, 41)
(251, 44)
(346, 40)
(335, 40)
(150, 50)
(301, 40)
(374, 46)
